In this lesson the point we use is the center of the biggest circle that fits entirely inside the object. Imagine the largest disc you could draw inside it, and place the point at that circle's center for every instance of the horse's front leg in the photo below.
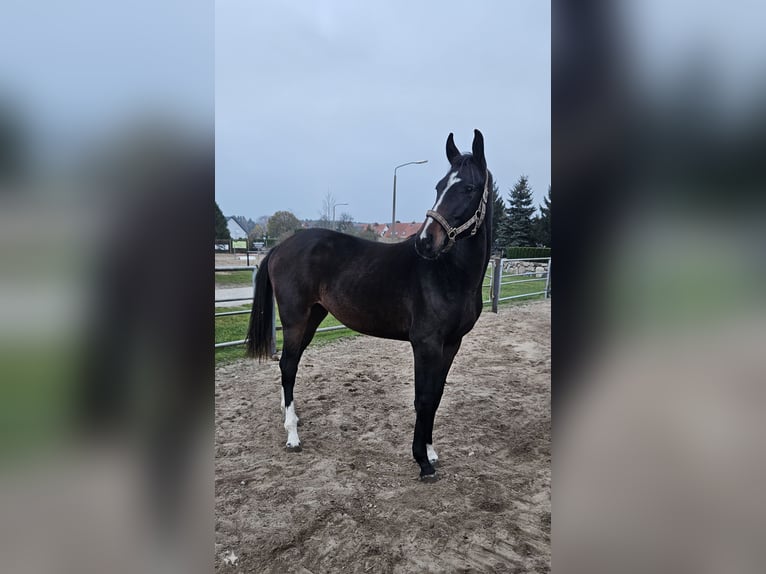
(428, 389)
(449, 351)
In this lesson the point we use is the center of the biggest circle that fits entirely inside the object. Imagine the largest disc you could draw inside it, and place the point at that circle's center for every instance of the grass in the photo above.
(234, 327)
(37, 396)
(233, 278)
(516, 286)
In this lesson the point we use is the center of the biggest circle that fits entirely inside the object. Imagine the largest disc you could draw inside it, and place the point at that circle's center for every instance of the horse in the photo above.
(426, 290)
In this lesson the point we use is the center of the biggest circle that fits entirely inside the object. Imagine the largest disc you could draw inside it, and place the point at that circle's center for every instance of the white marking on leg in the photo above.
(291, 426)
(432, 456)
(282, 404)
(453, 179)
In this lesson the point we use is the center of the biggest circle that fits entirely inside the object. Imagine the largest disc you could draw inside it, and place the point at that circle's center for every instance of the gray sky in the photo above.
(82, 71)
(335, 94)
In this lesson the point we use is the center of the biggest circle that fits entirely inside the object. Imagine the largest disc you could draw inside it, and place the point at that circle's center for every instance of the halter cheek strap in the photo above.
(476, 220)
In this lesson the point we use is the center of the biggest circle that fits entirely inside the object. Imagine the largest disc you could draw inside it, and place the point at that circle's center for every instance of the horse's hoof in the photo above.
(427, 472)
(290, 448)
(429, 478)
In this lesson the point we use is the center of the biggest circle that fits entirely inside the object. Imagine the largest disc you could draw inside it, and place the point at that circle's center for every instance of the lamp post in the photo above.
(393, 211)
(333, 213)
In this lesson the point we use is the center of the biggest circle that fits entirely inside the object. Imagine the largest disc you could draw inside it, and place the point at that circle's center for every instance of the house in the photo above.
(235, 229)
(403, 230)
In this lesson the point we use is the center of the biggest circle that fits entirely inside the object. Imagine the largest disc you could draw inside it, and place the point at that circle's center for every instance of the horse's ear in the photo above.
(452, 151)
(478, 148)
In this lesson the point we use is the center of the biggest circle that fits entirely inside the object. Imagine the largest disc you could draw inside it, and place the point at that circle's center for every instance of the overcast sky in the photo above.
(321, 95)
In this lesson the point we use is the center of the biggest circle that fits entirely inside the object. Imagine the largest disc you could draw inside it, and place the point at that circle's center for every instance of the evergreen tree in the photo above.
(520, 230)
(543, 222)
(221, 229)
(499, 217)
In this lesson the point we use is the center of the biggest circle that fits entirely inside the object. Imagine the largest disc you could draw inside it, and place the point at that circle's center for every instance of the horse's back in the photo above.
(366, 285)
(319, 251)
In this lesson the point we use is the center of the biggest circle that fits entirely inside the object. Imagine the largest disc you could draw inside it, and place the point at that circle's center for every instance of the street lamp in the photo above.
(393, 211)
(333, 213)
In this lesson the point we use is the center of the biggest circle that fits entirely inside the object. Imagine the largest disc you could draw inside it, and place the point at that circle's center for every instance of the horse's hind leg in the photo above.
(297, 333)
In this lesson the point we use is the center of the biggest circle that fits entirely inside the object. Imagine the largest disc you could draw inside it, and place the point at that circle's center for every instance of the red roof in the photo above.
(402, 229)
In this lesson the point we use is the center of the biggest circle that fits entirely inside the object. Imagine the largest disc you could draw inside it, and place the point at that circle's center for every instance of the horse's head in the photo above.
(461, 201)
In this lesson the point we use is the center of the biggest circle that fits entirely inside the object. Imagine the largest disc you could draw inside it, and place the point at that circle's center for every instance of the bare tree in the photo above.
(345, 223)
(325, 215)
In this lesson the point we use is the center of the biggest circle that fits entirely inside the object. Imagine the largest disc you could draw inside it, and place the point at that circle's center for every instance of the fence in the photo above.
(274, 326)
(525, 267)
(497, 270)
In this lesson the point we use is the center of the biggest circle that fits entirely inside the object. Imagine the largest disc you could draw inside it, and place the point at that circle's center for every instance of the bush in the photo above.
(523, 252)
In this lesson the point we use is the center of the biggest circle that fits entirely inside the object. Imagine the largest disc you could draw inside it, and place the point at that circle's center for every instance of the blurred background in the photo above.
(659, 379)
(106, 191)
(106, 188)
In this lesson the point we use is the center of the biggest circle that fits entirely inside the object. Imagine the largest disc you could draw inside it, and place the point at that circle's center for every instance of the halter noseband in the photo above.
(477, 218)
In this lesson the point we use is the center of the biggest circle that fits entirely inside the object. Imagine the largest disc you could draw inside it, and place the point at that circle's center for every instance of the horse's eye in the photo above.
(469, 188)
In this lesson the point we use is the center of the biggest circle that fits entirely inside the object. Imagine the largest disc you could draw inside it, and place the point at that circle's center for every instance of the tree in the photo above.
(324, 222)
(325, 214)
(499, 216)
(256, 233)
(221, 229)
(14, 148)
(345, 223)
(282, 224)
(543, 222)
(368, 233)
(520, 229)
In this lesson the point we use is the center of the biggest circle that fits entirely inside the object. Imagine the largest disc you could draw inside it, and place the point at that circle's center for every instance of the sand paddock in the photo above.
(351, 501)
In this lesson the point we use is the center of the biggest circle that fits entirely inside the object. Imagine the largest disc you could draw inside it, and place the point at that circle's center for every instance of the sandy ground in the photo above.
(351, 500)
(237, 260)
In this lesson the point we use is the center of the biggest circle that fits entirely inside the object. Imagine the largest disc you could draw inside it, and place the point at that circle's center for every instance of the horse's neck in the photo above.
(471, 255)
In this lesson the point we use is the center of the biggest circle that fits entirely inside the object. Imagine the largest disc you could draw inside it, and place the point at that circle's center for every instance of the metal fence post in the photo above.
(497, 272)
(548, 279)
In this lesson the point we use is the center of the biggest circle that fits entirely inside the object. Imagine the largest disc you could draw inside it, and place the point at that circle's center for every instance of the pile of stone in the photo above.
(529, 268)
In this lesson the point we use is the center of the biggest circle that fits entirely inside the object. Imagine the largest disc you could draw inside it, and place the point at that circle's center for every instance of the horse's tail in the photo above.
(260, 338)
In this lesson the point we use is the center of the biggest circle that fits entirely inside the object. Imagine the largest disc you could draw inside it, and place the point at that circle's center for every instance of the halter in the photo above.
(477, 218)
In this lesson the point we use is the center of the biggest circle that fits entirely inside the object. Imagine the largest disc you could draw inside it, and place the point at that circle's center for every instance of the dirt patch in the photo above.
(351, 501)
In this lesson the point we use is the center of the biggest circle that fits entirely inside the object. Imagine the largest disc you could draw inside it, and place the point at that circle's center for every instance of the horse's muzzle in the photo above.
(431, 241)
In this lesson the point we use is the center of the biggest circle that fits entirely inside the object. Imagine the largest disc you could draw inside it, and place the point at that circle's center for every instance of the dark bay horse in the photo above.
(425, 290)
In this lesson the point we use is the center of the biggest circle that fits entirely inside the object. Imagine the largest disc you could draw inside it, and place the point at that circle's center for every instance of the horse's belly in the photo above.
(374, 321)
